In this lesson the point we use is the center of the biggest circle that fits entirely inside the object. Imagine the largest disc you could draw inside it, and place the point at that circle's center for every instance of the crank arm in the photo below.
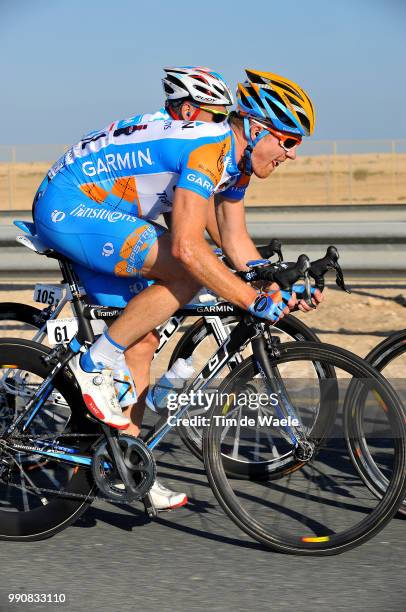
(112, 439)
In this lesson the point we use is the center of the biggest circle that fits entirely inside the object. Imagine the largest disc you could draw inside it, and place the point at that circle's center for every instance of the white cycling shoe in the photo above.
(99, 394)
(162, 497)
(165, 499)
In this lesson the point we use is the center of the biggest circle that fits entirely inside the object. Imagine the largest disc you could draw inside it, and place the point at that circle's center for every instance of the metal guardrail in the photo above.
(371, 238)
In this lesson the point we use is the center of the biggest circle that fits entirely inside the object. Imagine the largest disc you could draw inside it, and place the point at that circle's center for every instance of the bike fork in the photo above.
(284, 408)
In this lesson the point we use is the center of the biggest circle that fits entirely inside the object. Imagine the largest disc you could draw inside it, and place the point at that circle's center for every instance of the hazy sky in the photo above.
(71, 66)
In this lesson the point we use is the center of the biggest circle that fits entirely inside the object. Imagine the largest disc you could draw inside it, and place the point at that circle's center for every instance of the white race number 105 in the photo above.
(48, 294)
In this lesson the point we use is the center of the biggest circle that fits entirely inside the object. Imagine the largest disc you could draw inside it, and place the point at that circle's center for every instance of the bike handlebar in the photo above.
(287, 273)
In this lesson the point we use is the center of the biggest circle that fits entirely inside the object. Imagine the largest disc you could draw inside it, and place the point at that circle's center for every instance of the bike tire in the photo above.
(332, 542)
(45, 521)
(379, 357)
(22, 313)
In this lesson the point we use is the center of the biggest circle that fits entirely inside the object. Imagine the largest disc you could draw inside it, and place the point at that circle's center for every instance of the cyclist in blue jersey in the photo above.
(103, 197)
(182, 88)
(185, 100)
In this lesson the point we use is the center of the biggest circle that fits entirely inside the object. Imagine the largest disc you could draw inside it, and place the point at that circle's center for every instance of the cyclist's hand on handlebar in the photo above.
(290, 299)
(316, 294)
(272, 306)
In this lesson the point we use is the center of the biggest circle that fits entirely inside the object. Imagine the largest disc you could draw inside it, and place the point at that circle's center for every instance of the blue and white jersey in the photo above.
(140, 161)
(160, 115)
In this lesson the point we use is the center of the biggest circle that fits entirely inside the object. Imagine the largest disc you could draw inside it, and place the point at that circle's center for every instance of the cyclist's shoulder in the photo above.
(160, 126)
(128, 123)
(198, 130)
(159, 115)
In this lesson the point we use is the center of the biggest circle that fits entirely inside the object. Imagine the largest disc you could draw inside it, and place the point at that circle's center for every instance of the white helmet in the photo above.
(201, 84)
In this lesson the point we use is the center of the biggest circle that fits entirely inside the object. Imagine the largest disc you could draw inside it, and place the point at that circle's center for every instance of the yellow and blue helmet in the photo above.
(271, 98)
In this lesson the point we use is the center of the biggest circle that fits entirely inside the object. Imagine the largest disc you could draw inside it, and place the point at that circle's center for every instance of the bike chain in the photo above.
(64, 494)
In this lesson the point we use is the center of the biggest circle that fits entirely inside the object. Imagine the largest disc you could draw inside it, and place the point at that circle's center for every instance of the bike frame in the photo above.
(210, 312)
(247, 329)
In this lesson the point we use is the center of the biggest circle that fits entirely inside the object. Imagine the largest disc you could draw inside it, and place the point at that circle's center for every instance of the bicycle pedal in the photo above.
(92, 418)
(149, 507)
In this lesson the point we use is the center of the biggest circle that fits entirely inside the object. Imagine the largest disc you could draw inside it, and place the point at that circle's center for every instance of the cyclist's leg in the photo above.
(173, 288)
(119, 244)
(123, 247)
(138, 357)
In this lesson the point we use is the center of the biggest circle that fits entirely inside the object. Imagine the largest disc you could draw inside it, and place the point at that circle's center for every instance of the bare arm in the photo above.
(212, 225)
(189, 220)
(235, 240)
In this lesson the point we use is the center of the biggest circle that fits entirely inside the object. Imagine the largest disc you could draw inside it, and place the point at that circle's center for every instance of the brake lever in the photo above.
(340, 278)
(329, 262)
(308, 288)
(275, 246)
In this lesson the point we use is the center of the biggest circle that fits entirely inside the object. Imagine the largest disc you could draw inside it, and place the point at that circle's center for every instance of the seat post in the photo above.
(85, 330)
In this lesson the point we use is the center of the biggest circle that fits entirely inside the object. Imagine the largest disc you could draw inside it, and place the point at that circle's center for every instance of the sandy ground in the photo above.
(356, 322)
(319, 179)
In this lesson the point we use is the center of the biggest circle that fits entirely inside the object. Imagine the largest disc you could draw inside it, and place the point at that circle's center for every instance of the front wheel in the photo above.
(366, 431)
(323, 507)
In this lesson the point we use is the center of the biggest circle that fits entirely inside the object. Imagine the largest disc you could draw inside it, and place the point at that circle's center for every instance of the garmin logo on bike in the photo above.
(112, 216)
(116, 161)
(250, 276)
(217, 308)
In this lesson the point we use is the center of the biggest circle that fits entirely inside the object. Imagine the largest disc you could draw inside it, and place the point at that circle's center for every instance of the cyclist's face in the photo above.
(268, 154)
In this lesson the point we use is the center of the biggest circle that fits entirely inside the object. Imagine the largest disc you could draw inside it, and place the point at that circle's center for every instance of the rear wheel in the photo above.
(27, 513)
(21, 320)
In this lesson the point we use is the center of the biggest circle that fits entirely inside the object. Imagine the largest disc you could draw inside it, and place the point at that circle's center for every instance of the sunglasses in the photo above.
(286, 141)
(218, 116)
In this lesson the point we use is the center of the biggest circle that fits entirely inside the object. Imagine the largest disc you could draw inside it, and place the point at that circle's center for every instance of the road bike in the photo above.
(213, 325)
(55, 459)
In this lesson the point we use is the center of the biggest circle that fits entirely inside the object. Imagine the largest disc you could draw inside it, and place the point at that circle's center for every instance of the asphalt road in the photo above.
(195, 558)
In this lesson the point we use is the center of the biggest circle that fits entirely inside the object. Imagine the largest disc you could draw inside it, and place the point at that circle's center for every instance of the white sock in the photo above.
(104, 353)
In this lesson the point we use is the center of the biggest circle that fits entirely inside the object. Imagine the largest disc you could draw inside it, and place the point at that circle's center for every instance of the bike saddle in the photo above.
(31, 241)
(26, 226)
(34, 243)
